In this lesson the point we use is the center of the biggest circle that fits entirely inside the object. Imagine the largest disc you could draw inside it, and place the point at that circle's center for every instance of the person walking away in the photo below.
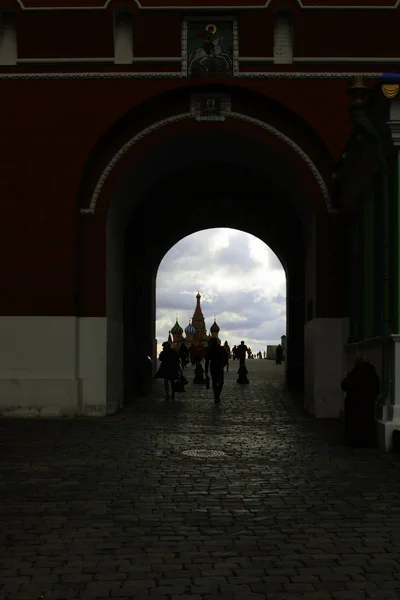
(241, 352)
(183, 355)
(169, 369)
(362, 387)
(228, 354)
(216, 361)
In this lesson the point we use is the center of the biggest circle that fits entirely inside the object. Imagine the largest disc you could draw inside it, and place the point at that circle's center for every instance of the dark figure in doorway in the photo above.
(169, 369)
(279, 354)
(241, 352)
(228, 354)
(362, 387)
(216, 361)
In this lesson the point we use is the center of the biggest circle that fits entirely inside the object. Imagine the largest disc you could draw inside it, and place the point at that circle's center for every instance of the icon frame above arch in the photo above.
(210, 47)
(210, 106)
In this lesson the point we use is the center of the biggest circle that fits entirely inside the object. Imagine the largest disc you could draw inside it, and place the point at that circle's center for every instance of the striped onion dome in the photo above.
(177, 329)
(190, 330)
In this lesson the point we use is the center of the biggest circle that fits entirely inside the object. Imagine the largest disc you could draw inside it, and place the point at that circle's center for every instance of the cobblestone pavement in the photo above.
(111, 507)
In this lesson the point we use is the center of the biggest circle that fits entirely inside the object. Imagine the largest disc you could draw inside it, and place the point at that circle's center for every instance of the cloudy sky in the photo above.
(241, 282)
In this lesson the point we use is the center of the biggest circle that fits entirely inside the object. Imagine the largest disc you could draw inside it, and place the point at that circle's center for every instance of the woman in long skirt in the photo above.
(169, 368)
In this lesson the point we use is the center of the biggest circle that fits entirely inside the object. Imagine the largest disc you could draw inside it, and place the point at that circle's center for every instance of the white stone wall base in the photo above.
(60, 366)
(324, 366)
(385, 431)
(38, 397)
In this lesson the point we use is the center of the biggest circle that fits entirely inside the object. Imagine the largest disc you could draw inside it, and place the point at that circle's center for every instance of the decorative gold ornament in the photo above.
(211, 28)
(358, 91)
(358, 85)
(390, 90)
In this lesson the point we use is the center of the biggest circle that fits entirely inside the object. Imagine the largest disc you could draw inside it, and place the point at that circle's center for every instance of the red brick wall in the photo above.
(58, 34)
(347, 33)
(50, 128)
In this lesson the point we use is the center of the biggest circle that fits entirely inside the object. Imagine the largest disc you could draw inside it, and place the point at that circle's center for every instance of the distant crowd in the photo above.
(216, 357)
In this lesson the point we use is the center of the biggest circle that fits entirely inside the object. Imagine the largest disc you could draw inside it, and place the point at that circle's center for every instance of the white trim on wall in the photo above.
(345, 59)
(241, 59)
(178, 75)
(48, 61)
(208, 8)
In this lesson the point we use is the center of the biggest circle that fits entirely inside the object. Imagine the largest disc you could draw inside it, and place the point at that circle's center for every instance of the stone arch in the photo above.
(115, 275)
(186, 116)
(164, 234)
(143, 126)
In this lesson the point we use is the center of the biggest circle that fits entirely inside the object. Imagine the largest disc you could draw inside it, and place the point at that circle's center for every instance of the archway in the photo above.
(242, 285)
(181, 176)
(232, 196)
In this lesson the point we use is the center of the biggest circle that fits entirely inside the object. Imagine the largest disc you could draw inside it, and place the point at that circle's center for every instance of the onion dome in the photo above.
(214, 328)
(190, 330)
(170, 338)
(177, 329)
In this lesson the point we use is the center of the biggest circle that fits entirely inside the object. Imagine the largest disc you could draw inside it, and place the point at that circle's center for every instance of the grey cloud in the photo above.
(235, 257)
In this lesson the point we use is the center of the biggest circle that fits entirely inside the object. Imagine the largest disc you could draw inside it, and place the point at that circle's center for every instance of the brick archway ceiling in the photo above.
(177, 102)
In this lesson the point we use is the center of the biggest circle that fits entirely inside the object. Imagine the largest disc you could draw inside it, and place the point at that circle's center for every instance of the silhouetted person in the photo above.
(362, 387)
(192, 352)
(183, 355)
(241, 352)
(234, 353)
(169, 369)
(279, 354)
(216, 360)
(228, 354)
(197, 354)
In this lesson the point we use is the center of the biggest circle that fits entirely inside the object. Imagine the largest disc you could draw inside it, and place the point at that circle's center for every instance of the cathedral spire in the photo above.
(198, 321)
(198, 313)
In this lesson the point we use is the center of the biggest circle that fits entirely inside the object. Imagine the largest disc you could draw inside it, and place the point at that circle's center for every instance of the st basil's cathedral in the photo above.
(196, 332)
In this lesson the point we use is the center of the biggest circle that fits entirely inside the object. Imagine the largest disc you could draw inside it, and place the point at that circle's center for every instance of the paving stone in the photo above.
(97, 508)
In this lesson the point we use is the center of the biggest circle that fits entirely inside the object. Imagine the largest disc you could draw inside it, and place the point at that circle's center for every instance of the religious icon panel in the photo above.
(210, 48)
